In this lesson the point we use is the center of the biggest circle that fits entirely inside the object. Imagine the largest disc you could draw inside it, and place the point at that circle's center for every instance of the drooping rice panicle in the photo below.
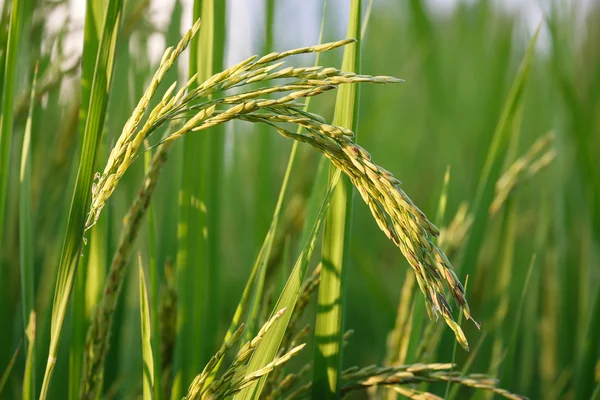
(309, 81)
(403, 223)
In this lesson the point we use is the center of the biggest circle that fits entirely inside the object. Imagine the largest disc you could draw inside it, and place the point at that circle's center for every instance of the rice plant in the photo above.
(111, 150)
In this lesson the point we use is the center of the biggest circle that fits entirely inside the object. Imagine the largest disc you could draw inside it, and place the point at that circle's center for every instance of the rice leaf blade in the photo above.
(250, 288)
(501, 285)
(268, 347)
(8, 369)
(589, 355)
(154, 293)
(8, 77)
(8, 95)
(265, 252)
(200, 205)
(147, 351)
(264, 143)
(79, 322)
(512, 339)
(250, 300)
(336, 237)
(73, 239)
(26, 250)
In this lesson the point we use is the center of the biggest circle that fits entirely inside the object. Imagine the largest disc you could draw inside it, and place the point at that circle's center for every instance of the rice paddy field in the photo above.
(393, 199)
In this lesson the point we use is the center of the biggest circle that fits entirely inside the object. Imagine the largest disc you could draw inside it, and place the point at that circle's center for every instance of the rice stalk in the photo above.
(506, 255)
(26, 250)
(72, 244)
(548, 323)
(98, 336)
(8, 76)
(198, 229)
(578, 89)
(263, 256)
(267, 350)
(8, 369)
(148, 377)
(8, 95)
(94, 15)
(264, 145)
(336, 235)
(154, 292)
(92, 31)
(510, 348)
(167, 327)
(530, 332)
(214, 199)
(587, 369)
(259, 269)
(579, 103)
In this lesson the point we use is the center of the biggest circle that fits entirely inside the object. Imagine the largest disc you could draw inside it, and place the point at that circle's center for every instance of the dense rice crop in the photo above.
(294, 224)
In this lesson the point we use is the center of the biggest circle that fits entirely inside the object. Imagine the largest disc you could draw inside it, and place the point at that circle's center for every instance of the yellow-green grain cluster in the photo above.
(404, 223)
(236, 377)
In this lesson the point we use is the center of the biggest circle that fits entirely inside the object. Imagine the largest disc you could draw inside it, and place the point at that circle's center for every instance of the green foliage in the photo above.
(494, 161)
(26, 251)
(329, 326)
(92, 30)
(11, 36)
(73, 239)
(198, 253)
(148, 360)
(181, 164)
(10, 58)
(268, 347)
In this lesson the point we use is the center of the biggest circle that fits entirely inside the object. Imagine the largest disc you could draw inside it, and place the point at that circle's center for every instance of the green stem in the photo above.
(336, 238)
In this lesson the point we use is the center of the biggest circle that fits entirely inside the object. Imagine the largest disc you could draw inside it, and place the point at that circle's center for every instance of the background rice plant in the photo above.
(533, 264)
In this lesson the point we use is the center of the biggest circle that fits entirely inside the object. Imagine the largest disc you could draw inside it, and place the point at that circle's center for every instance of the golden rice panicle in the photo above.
(397, 216)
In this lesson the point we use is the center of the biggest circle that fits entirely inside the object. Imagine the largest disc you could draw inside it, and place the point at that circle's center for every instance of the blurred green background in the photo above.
(458, 61)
